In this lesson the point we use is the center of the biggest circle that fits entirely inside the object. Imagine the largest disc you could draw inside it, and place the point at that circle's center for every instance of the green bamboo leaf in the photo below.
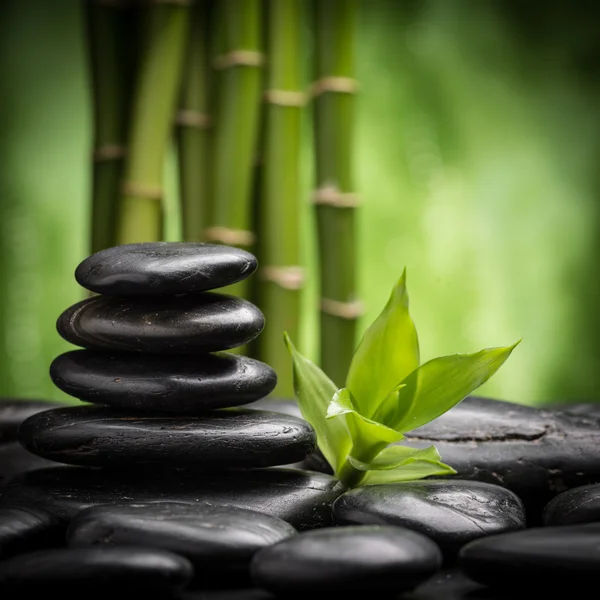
(441, 383)
(387, 353)
(393, 457)
(413, 469)
(368, 437)
(314, 391)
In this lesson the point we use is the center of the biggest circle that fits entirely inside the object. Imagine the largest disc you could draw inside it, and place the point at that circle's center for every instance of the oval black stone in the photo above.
(194, 324)
(302, 498)
(14, 460)
(13, 411)
(101, 436)
(216, 539)
(183, 384)
(23, 529)
(101, 568)
(158, 268)
(579, 505)
(347, 559)
(451, 512)
(552, 557)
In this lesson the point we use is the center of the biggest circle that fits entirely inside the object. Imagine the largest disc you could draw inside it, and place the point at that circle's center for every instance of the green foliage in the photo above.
(387, 394)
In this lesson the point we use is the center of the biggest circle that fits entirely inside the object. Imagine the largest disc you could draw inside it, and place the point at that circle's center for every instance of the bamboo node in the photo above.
(344, 310)
(193, 118)
(287, 277)
(342, 85)
(109, 152)
(236, 58)
(229, 237)
(330, 195)
(141, 190)
(285, 98)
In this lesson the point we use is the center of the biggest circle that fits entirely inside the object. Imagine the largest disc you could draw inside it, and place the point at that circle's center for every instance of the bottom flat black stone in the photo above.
(302, 498)
(108, 569)
(25, 529)
(14, 460)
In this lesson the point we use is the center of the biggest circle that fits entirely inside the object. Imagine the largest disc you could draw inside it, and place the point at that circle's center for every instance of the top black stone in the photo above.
(160, 268)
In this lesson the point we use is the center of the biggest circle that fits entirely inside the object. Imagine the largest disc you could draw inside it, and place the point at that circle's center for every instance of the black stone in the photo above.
(193, 324)
(98, 569)
(302, 498)
(182, 384)
(159, 268)
(103, 436)
(218, 540)
(23, 529)
(535, 453)
(549, 557)
(451, 513)
(579, 505)
(578, 409)
(14, 460)
(347, 559)
(15, 410)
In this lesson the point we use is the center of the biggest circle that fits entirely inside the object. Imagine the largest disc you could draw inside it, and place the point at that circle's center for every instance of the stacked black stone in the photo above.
(160, 387)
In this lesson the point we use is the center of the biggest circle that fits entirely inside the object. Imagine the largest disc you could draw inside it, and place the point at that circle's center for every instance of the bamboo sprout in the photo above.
(334, 197)
(106, 27)
(140, 216)
(236, 129)
(278, 207)
(194, 122)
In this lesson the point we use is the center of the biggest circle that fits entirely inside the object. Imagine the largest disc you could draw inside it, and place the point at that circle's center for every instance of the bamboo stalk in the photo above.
(239, 80)
(140, 215)
(334, 196)
(194, 121)
(281, 277)
(106, 28)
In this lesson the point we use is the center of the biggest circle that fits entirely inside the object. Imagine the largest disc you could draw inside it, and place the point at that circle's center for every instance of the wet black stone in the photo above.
(302, 498)
(535, 453)
(340, 559)
(553, 557)
(98, 569)
(217, 540)
(102, 436)
(578, 409)
(15, 410)
(451, 513)
(579, 505)
(23, 529)
(159, 268)
(182, 384)
(193, 324)
(14, 460)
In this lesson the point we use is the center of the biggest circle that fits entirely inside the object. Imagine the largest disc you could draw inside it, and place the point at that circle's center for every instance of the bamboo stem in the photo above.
(334, 197)
(140, 217)
(239, 78)
(281, 277)
(194, 123)
(106, 28)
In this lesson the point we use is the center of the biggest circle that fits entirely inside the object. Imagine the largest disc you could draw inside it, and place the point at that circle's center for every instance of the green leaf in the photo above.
(413, 469)
(441, 383)
(393, 457)
(387, 353)
(368, 437)
(314, 391)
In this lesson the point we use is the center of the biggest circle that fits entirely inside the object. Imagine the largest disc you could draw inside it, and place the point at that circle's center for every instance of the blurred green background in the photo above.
(476, 158)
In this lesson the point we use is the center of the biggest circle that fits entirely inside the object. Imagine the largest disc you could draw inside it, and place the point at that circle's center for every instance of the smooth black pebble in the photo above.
(347, 559)
(101, 436)
(545, 557)
(302, 498)
(160, 268)
(101, 568)
(23, 529)
(198, 323)
(579, 505)
(13, 411)
(451, 512)
(14, 460)
(216, 539)
(182, 384)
